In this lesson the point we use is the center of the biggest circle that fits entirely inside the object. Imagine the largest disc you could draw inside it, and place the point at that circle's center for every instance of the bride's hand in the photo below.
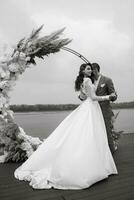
(82, 96)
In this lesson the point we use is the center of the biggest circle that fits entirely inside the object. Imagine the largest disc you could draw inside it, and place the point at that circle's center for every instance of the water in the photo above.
(42, 124)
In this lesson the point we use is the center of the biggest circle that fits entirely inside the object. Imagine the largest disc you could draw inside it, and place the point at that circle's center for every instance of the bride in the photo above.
(76, 155)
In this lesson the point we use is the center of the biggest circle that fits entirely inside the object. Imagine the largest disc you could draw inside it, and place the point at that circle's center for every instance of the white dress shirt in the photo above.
(96, 82)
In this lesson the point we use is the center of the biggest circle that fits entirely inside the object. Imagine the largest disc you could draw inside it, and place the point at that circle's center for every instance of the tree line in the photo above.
(42, 107)
(122, 105)
(61, 107)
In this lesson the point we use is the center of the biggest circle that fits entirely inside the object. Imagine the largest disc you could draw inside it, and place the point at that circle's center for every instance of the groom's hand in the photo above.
(113, 97)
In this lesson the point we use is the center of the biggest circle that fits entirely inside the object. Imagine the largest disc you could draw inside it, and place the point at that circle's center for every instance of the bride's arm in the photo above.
(90, 91)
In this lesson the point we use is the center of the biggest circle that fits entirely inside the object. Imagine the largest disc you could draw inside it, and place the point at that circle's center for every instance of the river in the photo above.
(42, 124)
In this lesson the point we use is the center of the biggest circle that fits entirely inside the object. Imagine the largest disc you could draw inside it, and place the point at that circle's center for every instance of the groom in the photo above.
(104, 86)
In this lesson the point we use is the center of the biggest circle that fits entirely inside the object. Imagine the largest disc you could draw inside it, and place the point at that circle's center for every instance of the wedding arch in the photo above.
(17, 145)
(23, 56)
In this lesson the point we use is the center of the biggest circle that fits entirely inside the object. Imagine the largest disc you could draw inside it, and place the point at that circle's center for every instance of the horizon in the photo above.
(70, 103)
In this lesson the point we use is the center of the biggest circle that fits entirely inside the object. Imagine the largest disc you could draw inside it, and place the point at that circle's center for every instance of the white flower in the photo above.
(28, 58)
(21, 67)
(34, 141)
(29, 44)
(3, 101)
(25, 146)
(3, 84)
(4, 73)
(22, 55)
(1, 116)
(13, 68)
(4, 113)
(10, 112)
(16, 54)
(3, 157)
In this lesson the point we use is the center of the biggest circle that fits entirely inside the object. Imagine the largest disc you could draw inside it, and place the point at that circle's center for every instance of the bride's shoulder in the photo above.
(87, 80)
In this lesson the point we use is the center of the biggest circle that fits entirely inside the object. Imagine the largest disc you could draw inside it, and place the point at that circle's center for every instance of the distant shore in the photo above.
(62, 107)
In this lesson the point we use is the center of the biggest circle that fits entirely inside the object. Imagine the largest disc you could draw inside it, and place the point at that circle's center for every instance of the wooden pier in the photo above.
(116, 187)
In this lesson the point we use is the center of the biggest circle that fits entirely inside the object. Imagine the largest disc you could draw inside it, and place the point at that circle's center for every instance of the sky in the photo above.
(101, 30)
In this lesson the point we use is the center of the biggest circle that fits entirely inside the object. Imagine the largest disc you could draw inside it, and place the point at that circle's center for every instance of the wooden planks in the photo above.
(117, 187)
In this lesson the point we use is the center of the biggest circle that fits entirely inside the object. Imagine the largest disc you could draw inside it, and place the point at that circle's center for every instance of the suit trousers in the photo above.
(107, 115)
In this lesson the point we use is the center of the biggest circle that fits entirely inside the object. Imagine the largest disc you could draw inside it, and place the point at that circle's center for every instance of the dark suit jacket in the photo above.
(105, 87)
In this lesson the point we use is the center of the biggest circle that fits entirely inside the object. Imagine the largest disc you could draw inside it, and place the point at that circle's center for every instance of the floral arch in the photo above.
(23, 56)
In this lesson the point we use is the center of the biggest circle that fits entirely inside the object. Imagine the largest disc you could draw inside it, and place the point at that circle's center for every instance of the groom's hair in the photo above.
(96, 66)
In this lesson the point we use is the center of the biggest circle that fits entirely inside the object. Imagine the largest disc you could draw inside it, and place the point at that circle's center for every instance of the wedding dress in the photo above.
(76, 155)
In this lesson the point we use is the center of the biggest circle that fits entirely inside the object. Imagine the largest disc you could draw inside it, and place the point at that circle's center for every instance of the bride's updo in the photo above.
(80, 77)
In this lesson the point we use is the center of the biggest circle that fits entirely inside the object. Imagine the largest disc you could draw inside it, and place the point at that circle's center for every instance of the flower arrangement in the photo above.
(115, 134)
(15, 145)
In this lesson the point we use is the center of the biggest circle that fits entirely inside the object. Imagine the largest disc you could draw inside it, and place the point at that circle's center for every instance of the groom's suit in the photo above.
(106, 87)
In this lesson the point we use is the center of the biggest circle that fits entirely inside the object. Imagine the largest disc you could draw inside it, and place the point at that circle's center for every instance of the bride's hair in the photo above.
(80, 77)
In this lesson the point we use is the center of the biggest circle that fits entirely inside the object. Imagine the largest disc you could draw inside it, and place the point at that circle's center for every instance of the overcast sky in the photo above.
(101, 30)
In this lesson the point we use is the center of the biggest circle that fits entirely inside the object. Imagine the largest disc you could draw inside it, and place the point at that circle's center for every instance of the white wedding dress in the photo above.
(76, 155)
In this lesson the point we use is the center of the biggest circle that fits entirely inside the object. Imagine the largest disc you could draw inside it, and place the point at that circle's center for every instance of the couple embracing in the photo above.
(77, 154)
